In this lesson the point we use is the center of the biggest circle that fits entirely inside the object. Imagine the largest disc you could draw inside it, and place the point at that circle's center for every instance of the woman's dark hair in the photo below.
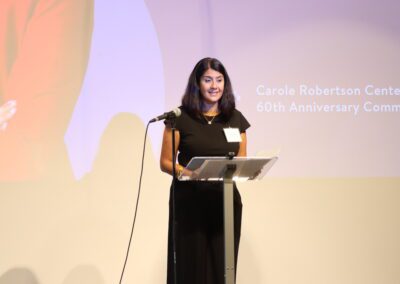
(192, 99)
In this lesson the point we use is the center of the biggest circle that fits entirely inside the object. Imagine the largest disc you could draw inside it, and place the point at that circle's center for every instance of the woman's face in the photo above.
(212, 86)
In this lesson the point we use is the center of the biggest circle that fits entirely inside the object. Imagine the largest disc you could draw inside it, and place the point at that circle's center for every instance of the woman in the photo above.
(208, 107)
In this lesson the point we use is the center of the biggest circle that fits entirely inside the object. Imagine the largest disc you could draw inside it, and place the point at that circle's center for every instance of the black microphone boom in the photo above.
(171, 114)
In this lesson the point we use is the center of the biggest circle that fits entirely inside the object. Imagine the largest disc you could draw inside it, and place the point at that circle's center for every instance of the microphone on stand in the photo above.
(176, 112)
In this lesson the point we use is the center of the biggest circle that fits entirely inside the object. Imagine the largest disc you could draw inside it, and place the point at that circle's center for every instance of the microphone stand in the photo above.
(174, 180)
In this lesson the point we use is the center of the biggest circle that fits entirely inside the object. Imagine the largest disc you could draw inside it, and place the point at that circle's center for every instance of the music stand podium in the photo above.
(228, 170)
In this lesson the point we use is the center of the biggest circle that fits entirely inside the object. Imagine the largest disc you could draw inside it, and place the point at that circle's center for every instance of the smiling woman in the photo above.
(208, 108)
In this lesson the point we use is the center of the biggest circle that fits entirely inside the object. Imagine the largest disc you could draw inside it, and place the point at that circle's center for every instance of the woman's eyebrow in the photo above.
(210, 77)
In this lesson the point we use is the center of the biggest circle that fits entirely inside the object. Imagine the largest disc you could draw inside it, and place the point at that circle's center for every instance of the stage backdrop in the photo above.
(317, 80)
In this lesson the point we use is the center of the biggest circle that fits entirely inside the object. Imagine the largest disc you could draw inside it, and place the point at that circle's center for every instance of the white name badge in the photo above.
(232, 135)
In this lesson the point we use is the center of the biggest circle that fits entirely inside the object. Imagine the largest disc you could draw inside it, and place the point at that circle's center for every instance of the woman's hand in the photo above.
(188, 173)
(7, 111)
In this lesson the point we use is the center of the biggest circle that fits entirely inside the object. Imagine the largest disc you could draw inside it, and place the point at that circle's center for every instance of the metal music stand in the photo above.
(228, 170)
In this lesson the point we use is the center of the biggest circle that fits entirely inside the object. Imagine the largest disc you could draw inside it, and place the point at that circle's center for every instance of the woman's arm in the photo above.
(243, 146)
(166, 151)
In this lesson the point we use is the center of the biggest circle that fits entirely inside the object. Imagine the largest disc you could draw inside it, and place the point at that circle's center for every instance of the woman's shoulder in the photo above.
(239, 119)
(185, 119)
(181, 117)
(184, 112)
(237, 113)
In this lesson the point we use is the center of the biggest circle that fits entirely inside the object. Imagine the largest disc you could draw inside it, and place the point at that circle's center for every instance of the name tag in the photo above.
(232, 135)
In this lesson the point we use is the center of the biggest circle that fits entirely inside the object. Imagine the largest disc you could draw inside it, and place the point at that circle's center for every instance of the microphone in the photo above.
(176, 112)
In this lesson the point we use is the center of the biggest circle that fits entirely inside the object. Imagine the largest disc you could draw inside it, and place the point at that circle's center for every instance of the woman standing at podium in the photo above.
(208, 109)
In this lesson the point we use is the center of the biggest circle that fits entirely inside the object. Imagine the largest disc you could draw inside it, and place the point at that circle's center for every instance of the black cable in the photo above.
(137, 204)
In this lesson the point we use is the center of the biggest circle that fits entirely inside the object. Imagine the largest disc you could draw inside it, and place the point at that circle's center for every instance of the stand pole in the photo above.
(229, 225)
(174, 180)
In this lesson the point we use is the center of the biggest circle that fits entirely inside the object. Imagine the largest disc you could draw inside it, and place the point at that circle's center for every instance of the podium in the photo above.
(228, 170)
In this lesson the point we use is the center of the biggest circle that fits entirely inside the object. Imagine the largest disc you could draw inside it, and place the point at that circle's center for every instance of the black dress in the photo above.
(199, 205)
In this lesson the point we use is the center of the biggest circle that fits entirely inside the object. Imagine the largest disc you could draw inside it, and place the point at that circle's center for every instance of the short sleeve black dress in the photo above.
(199, 205)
